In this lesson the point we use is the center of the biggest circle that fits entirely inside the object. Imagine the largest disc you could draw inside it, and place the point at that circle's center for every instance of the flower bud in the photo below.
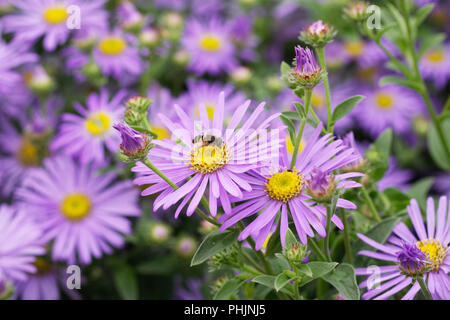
(136, 110)
(135, 145)
(421, 125)
(186, 246)
(206, 227)
(306, 73)
(241, 75)
(38, 80)
(149, 37)
(318, 34)
(130, 19)
(295, 253)
(411, 260)
(357, 10)
(181, 58)
(159, 232)
(321, 187)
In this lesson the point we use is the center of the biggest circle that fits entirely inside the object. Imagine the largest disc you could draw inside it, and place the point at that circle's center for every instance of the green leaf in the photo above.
(423, 13)
(214, 243)
(345, 107)
(305, 269)
(291, 127)
(228, 289)
(384, 142)
(380, 232)
(291, 115)
(400, 81)
(397, 198)
(343, 278)
(420, 190)
(269, 281)
(431, 41)
(126, 282)
(290, 238)
(282, 280)
(435, 146)
(383, 31)
(318, 269)
(378, 155)
(160, 266)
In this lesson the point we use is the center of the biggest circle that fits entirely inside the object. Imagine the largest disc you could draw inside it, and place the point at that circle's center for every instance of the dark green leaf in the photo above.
(318, 269)
(228, 289)
(397, 198)
(214, 243)
(396, 80)
(126, 282)
(343, 278)
(345, 107)
(420, 189)
(435, 146)
(282, 280)
(423, 13)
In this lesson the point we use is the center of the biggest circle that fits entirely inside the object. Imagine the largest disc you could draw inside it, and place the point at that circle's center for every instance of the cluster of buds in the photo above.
(357, 10)
(135, 145)
(295, 253)
(227, 257)
(306, 73)
(318, 34)
(172, 26)
(136, 110)
(321, 186)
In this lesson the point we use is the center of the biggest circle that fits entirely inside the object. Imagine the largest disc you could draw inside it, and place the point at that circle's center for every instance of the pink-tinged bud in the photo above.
(318, 34)
(321, 186)
(357, 10)
(135, 145)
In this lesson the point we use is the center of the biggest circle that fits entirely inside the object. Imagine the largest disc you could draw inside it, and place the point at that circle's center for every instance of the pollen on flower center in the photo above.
(434, 251)
(284, 185)
(317, 101)
(355, 49)
(112, 45)
(76, 206)
(161, 132)
(210, 156)
(436, 56)
(210, 42)
(98, 123)
(384, 101)
(55, 14)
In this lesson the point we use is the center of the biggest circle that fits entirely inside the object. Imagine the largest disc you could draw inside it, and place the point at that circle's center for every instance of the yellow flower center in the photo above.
(112, 45)
(162, 132)
(210, 42)
(354, 48)
(384, 101)
(28, 154)
(98, 123)
(290, 146)
(76, 206)
(55, 14)
(210, 107)
(434, 251)
(284, 185)
(42, 266)
(317, 101)
(436, 56)
(209, 157)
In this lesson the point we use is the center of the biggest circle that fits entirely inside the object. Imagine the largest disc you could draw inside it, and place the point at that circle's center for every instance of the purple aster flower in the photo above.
(117, 55)
(280, 188)
(82, 212)
(209, 46)
(366, 53)
(85, 135)
(203, 157)
(390, 106)
(395, 177)
(129, 17)
(432, 240)
(49, 19)
(20, 243)
(306, 66)
(242, 36)
(435, 65)
(207, 93)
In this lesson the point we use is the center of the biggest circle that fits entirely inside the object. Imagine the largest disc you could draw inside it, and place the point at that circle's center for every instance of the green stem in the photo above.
(298, 140)
(326, 84)
(369, 201)
(424, 288)
(152, 167)
(312, 244)
(347, 244)
(330, 212)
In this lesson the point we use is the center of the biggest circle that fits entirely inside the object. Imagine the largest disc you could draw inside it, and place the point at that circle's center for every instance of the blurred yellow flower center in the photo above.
(76, 206)
(317, 101)
(436, 56)
(434, 251)
(210, 42)
(210, 107)
(112, 45)
(290, 146)
(27, 154)
(284, 185)
(162, 132)
(354, 48)
(384, 101)
(42, 266)
(209, 158)
(98, 123)
(55, 14)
